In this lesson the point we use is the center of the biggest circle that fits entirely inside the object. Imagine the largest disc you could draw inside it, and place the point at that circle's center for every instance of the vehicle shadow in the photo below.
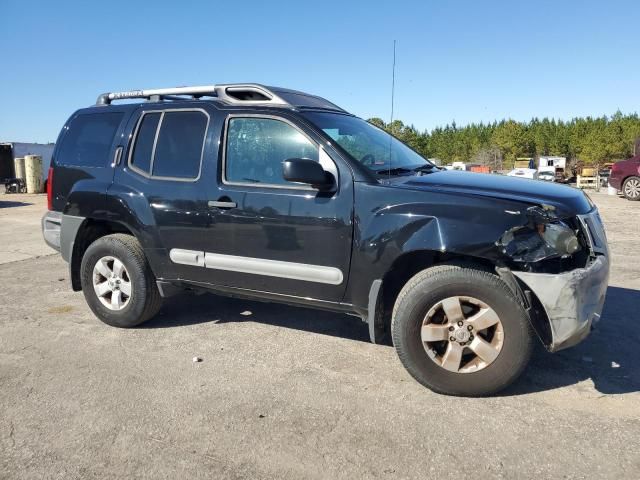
(608, 357)
(11, 204)
(193, 309)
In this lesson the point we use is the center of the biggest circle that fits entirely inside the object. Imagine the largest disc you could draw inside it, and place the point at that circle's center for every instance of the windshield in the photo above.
(372, 147)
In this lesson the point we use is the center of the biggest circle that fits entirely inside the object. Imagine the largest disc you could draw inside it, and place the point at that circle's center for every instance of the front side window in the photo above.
(175, 151)
(88, 140)
(257, 147)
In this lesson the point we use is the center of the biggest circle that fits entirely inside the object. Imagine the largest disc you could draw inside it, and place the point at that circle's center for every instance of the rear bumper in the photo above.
(572, 300)
(615, 181)
(51, 228)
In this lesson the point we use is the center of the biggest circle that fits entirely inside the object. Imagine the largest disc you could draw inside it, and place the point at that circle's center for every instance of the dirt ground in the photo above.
(291, 393)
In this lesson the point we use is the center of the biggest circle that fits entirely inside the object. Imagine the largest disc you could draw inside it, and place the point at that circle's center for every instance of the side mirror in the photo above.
(303, 170)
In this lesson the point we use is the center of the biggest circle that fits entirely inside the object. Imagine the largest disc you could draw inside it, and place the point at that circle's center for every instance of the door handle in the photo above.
(117, 157)
(220, 204)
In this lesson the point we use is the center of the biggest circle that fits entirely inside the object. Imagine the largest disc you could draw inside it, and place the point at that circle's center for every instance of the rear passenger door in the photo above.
(159, 185)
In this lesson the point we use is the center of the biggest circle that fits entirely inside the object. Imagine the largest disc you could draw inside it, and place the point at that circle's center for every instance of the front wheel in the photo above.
(461, 331)
(118, 283)
(631, 188)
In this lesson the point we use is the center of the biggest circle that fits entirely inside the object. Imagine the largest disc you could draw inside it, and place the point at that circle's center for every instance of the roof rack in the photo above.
(246, 94)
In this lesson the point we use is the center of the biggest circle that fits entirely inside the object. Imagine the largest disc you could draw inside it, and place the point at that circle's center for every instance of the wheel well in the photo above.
(538, 317)
(411, 263)
(405, 267)
(89, 232)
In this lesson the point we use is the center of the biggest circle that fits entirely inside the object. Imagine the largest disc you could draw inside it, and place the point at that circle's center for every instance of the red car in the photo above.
(625, 177)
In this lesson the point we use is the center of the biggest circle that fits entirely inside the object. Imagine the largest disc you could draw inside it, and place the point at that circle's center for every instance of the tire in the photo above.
(144, 300)
(431, 291)
(631, 188)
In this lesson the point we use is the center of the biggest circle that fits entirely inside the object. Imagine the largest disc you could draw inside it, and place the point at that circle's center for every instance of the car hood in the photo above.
(568, 201)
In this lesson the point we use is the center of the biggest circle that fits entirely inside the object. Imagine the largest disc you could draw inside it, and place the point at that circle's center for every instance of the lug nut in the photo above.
(469, 327)
(470, 337)
(460, 323)
(452, 339)
(451, 329)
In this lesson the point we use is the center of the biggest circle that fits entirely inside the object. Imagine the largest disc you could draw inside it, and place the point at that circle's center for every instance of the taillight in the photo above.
(50, 189)
(614, 167)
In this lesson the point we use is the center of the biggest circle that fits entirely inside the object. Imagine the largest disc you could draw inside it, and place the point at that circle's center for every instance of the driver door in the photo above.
(271, 235)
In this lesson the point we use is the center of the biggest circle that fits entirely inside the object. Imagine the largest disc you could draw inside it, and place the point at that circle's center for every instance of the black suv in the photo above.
(278, 195)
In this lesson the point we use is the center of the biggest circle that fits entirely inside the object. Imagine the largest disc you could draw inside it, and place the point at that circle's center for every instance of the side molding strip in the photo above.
(258, 266)
(187, 257)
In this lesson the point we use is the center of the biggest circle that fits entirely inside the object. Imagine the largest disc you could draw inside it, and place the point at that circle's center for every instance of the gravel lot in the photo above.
(287, 392)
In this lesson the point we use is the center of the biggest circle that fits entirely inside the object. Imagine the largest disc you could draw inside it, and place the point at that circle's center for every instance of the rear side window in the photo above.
(170, 144)
(144, 143)
(257, 147)
(179, 147)
(88, 139)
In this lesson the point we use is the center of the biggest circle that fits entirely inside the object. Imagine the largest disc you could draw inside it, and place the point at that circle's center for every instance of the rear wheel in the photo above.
(631, 188)
(461, 331)
(118, 283)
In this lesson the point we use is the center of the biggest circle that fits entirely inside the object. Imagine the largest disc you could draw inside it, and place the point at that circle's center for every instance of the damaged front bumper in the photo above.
(572, 300)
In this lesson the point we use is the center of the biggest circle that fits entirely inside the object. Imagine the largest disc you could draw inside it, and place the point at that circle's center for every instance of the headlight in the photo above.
(545, 236)
(561, 238)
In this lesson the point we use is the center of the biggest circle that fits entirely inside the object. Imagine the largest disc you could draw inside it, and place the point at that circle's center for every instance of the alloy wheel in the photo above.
(462, 334)
(112, 283)
(632, 188)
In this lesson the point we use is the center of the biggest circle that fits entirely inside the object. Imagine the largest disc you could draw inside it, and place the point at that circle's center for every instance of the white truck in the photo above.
(552, 168)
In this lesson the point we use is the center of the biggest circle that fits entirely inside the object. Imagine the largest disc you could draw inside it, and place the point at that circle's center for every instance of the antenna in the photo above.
(393, 80)
(393, 90)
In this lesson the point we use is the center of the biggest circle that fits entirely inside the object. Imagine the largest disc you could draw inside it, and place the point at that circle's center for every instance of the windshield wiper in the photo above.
(394, 171)
(427, 167)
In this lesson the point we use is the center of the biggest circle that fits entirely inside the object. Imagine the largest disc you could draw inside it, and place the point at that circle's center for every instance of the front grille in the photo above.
(593, 229)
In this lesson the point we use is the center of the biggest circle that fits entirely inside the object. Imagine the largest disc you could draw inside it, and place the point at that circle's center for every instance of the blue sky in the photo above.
(467, 61)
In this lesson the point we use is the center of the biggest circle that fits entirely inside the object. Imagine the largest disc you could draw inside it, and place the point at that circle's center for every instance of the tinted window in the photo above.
(256, 148)
(88, 140)
(144, 142)
(180, 142)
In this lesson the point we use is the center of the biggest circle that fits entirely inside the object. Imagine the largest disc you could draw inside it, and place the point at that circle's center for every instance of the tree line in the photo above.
(589, 141)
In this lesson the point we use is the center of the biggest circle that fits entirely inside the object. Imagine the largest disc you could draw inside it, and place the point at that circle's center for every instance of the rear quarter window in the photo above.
(88, 139)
